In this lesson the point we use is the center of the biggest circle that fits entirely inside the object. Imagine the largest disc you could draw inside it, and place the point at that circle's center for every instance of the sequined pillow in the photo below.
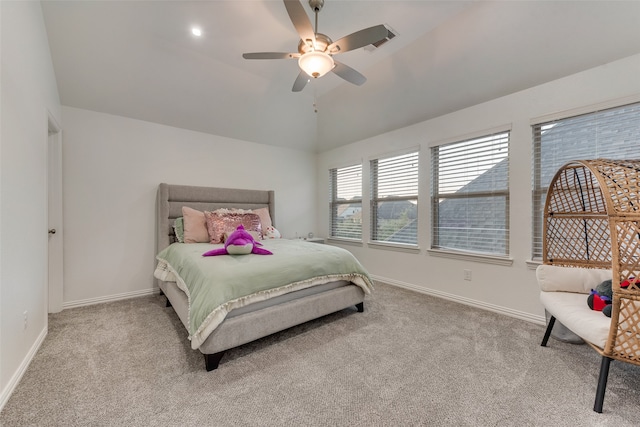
(219, 223)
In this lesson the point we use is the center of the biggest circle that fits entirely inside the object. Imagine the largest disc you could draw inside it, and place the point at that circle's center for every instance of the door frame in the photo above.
(54, 217)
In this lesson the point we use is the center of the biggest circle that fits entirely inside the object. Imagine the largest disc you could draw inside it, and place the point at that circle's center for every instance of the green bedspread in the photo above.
(216, 285)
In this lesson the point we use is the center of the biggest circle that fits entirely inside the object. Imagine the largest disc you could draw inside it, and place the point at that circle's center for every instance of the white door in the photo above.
(55, 275)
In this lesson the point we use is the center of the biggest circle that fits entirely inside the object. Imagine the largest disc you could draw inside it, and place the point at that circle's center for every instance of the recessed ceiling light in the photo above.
(196, 31)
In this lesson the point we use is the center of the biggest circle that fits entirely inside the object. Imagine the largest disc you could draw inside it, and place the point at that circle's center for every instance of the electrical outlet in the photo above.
(25, 316)
(467, 275)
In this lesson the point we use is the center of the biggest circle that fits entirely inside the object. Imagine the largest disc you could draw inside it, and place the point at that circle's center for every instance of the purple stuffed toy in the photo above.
(240, 242)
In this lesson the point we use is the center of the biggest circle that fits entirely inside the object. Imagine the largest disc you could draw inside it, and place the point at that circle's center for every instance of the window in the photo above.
(612, 133)
(346, 202)
(470, 195)
(394, 199)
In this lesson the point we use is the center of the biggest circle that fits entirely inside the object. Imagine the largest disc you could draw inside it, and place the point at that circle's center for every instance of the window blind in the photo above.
(394, 199)
(346, 202)
(470, 195)
(612, 133)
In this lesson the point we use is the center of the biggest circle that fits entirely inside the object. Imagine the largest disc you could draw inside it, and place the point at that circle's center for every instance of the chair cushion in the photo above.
(570, 279)
(571, 309)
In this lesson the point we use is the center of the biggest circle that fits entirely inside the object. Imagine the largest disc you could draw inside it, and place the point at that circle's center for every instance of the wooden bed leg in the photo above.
(162, 294)
(602, 383)
(547, 333)
(212, 361)
(360, 307)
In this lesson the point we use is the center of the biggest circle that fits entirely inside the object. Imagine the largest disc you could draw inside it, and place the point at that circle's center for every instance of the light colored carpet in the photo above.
(409, 359)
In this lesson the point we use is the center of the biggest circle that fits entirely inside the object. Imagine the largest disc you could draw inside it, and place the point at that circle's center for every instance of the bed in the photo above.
(253, 316)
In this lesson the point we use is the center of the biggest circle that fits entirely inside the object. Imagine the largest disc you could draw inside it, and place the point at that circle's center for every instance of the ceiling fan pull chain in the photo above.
(315, 99)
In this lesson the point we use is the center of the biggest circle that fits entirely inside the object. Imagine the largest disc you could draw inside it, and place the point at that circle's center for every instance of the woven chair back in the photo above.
(592, 220)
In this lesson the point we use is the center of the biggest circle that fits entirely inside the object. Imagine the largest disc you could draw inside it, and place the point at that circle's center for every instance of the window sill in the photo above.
(533, 264)
(398, 247)
(339, 241)
(487, 259)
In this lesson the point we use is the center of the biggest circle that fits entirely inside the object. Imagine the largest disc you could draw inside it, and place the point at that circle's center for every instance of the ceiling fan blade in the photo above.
(358, 39)
(349, 74)
(270, 55)
(300, 20)
(301, 81)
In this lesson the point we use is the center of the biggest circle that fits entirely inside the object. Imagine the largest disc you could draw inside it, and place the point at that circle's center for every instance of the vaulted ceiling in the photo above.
(139, 59)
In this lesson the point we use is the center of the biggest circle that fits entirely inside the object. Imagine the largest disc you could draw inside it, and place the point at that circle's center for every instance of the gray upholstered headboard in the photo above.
(171, 199)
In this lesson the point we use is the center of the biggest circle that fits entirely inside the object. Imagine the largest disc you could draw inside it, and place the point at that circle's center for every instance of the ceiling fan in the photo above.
(316, 50)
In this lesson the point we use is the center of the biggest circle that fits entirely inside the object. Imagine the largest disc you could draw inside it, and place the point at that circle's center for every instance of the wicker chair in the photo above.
(592, 220)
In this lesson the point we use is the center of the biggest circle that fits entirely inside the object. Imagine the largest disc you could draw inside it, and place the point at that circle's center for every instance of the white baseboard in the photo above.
(539, 320)
(17, 376)
(110, 298)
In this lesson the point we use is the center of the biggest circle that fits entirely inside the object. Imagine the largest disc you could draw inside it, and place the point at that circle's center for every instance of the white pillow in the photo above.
(553, 278)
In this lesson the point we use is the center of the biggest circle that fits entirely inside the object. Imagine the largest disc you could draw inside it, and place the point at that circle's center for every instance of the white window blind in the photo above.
(346, 202)
(470, 195)
(394, 199)
(612, 133)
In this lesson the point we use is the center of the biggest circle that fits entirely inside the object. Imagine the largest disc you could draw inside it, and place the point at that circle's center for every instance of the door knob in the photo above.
(52, 231)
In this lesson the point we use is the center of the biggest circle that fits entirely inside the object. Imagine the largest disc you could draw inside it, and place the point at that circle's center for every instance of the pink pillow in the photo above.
(220, 223)
(195, 226)
(265, 217)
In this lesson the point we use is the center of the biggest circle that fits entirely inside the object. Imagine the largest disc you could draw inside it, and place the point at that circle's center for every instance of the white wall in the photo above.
(112, 167)
(510, 289)
(29, 94)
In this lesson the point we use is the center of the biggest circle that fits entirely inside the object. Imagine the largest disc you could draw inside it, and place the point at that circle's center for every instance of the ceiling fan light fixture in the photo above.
(316, 64)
